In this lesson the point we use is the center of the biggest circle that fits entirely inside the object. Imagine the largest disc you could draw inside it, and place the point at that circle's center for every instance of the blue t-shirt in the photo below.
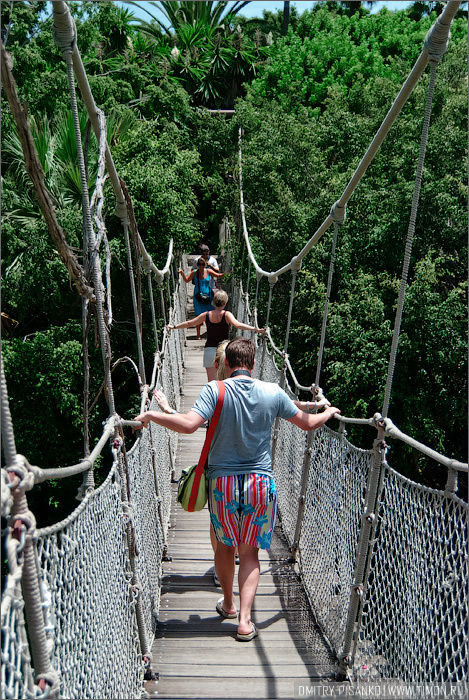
(241, 443)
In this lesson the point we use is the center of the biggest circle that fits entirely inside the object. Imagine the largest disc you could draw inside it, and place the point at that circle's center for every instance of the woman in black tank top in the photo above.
(218, 324)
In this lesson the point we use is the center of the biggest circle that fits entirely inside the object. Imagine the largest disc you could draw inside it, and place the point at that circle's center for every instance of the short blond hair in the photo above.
(222, 372)
(220, 298)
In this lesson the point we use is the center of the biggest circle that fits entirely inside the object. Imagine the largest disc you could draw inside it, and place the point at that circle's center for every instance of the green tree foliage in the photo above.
(308, 119)
(319, 96)
(200, 47)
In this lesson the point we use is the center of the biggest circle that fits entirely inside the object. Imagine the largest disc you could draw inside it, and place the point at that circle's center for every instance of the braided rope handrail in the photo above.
(65, 36)
(436, 43)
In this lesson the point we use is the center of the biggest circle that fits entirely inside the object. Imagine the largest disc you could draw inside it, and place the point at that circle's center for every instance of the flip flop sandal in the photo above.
(247, 637)
(221, 611)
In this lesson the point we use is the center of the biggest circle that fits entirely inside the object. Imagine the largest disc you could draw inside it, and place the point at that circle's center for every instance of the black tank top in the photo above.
(216, 332)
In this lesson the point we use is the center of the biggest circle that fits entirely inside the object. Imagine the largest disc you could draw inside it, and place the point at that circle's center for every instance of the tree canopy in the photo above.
(309, 103)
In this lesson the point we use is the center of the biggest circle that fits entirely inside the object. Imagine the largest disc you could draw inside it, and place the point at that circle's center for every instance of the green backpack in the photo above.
(186, 483)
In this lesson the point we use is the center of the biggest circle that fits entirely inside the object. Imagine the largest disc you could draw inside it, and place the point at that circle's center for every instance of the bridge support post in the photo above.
(302, 497)
(119, 453)
(363, 556)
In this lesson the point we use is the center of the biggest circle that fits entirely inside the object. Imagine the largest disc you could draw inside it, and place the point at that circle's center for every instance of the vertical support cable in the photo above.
(120, 455)
(248, 281)
(290, 308)
(272, 281)
(303, 489)
(258, 279)
(326, 305)
(152, 307)
(162, 304)
(138, 327)
(94, 255)
(409, 240)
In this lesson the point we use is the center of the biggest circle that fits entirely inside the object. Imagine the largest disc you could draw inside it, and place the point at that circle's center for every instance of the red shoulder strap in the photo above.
(205, 450)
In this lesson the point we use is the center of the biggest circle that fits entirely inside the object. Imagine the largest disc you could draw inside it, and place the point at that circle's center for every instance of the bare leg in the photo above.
(211, 373)
(213, 539)
(248, 578)
(225, 567)
(213, 542)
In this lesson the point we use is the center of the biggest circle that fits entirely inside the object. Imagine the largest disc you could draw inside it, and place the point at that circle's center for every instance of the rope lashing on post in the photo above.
(97, 203)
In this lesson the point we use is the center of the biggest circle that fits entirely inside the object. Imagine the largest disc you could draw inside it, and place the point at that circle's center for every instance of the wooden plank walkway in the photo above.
(195, 653)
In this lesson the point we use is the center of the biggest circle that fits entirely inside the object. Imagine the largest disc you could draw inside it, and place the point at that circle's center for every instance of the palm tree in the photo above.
(177, 13)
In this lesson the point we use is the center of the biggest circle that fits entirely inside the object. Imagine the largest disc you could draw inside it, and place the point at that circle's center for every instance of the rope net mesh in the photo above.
(331, 524)
(414, 624)
(85, 572)
(415, 615)
(89, 599)
(415, 610)
(17, 675)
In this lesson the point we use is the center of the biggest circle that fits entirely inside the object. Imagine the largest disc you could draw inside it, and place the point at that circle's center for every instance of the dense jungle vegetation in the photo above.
(310, 98)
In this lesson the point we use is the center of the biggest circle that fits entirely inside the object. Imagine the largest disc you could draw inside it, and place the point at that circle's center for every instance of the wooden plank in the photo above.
(233, 670)
(241, 688)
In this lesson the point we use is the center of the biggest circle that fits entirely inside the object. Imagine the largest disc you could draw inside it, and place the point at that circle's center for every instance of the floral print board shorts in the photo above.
(243, 508)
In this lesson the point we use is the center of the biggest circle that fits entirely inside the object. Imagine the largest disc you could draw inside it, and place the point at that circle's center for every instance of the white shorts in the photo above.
(209, 357)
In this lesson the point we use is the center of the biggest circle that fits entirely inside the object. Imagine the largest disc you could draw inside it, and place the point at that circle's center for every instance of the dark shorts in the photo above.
(243, 508)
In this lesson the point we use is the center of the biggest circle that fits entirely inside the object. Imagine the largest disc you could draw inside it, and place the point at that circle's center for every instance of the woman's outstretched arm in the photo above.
(241, 326)
(189, 276)
(192, 323)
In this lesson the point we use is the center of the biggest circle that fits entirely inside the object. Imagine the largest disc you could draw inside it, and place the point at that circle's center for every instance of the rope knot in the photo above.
(273, 279)
(338, 213)
(24, 472)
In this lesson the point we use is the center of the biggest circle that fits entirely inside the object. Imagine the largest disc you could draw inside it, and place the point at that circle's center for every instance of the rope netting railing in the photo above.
(87, 589)
(99, 566)
(368, 538)
(382, 559)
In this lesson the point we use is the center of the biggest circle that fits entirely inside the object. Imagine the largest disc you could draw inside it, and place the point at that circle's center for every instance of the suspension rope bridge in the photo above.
(381, 559)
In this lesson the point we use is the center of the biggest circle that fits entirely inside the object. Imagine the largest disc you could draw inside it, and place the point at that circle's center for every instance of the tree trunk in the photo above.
(34, 168)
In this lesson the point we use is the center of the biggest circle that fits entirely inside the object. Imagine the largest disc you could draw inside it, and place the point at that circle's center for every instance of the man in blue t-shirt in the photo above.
(242, 496)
